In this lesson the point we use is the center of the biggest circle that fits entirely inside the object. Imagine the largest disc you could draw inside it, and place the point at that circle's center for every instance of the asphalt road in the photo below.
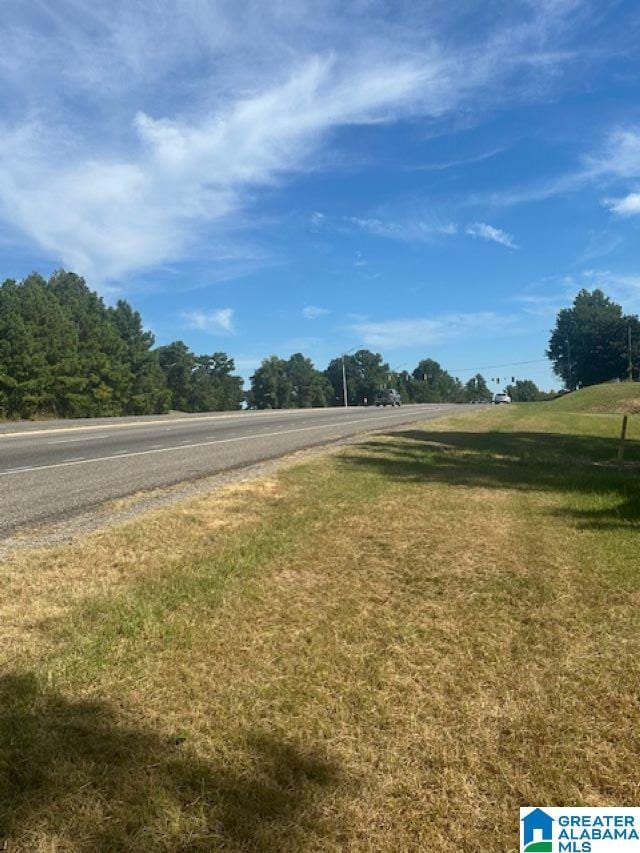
(56, 469)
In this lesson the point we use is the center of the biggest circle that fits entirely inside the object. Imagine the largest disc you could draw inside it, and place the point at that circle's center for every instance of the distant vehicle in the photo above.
(480, 402)
(501, 398)
(388, 397)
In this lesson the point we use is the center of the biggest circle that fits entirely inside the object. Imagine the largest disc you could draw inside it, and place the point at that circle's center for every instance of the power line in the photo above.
(490, 366)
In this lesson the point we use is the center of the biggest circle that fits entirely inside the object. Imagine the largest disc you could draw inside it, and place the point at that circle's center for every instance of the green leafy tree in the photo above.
(177, 363)
(291, 384)
(231, 394)
(271, 387)
(403, 383)
(212, 385)
(432, 384)
(309, 387)
(588, 344)
(476, 389)
(366, 374)
(525, 391)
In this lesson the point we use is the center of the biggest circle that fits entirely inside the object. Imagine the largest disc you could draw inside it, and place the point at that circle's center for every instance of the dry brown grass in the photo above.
(391, 650)
(631, 407)
(49, 583)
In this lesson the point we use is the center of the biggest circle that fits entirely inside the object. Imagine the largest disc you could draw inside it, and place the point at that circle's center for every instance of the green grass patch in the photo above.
(610, 398)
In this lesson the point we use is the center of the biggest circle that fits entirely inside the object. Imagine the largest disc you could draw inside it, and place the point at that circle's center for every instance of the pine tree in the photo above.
(147, 391)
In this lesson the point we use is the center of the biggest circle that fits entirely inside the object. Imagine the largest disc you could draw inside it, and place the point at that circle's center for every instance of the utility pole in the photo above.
(344, 375)
(629, 352)
(344, 382)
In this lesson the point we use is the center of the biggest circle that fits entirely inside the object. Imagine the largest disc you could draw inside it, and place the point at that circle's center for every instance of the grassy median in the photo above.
(392, 648)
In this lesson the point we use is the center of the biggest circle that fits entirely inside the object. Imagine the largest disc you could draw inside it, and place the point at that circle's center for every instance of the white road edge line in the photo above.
(186, 446)
(76, 440)
(175, 422)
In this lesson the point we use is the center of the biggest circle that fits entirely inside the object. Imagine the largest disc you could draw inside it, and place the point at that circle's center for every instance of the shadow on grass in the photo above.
(516, 460)
(71, 770)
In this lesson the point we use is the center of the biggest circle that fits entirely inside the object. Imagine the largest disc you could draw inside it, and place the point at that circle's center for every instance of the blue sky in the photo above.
(426, 179)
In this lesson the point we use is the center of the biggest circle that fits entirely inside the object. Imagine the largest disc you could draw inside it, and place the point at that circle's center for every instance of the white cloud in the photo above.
(615, 161)
(629, 205)
(454, 164)
(545, 298)
(145, 126)
(410, 230)
(599, 244)
(619, 157)
(312, 312)
(317, 219)
(545, 306)
(488, 232)
(427, 331)
(622, 287)
(216, 322)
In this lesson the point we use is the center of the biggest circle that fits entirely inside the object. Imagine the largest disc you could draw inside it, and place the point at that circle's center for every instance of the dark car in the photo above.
(388, 397)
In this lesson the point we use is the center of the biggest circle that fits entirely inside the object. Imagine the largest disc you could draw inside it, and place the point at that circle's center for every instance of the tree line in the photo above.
(295, 383)
(65, 353)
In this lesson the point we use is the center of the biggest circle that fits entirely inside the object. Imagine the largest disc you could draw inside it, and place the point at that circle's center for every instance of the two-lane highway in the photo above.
(56, 469)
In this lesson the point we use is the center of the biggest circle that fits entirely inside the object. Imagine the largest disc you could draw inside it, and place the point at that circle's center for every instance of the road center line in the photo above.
(338, 425)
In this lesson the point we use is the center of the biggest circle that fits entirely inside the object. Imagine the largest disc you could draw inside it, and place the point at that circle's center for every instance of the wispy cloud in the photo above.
(427, 331)
(454, 164)
(312, 312)
(489, 232)
(317, 219)
(543, 299)
(410, 230)
(619, 156)
(545, 306)
(614, 161)
(623, 287)
(628, 205)
(216, 322)
(144, 127)
(599, 244)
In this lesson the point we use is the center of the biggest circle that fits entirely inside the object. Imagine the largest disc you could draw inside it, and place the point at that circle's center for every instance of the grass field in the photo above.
(610, 398)
(392, 648)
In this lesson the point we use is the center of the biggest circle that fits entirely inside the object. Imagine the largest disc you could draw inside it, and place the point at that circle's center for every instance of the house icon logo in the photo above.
(537, 832)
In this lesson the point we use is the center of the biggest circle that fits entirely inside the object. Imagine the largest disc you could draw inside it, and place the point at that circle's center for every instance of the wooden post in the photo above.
(623, 435)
